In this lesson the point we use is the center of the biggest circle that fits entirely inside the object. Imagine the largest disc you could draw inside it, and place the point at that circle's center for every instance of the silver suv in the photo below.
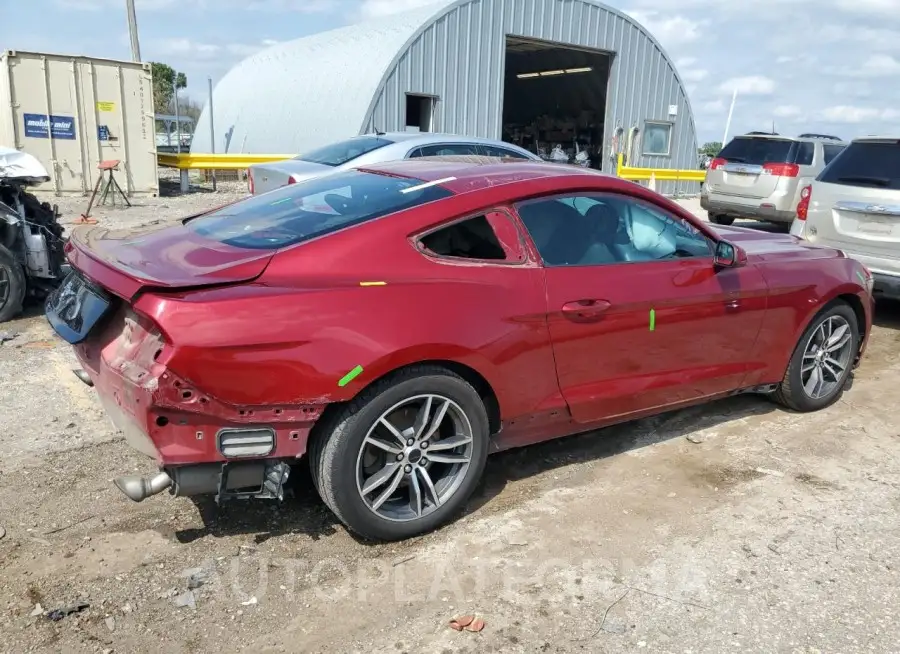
(759, 175)
(854, 205)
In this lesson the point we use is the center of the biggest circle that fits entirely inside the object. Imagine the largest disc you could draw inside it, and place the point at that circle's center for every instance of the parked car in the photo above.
(370, 149)
(431, 313)
(854, 205)
(758, 176)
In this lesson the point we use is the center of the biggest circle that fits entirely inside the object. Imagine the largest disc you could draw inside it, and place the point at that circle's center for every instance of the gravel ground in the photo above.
(735, 527)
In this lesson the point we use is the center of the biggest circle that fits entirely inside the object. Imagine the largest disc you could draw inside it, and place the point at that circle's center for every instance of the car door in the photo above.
(639, 316)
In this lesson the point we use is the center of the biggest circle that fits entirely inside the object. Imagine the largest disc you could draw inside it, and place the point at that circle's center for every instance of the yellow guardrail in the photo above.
(199, 161)
(659, 174)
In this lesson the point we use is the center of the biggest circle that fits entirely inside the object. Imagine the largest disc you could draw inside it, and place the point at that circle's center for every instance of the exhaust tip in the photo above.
(83, 376)
(138, 488)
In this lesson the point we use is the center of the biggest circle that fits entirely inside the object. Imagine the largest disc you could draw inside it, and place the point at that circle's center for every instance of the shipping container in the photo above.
(73, 112)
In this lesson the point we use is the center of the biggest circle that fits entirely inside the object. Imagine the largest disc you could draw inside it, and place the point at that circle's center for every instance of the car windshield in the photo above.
(337, 154)
(873, 164)
(757, 151)
(300, 212)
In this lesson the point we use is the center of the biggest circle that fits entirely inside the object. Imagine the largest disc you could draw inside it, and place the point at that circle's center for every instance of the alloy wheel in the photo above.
(826, 358)
(414, 458)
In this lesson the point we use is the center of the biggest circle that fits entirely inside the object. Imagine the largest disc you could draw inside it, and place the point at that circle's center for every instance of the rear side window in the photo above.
(759, 151)
(303, 211)
(337, 154)
(805, 153)
(470, 239)
(866, 163)
(831, 151)
(495, 151)
(447, 150)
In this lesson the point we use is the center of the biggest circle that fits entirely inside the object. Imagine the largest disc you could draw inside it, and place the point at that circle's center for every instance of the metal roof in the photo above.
(315, 89)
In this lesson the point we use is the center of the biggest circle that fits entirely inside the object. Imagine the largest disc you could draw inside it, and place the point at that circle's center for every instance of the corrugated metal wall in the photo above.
(460, 57)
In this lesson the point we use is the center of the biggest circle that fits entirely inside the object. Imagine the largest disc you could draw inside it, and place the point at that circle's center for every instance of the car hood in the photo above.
(168, 256)
(760, 245)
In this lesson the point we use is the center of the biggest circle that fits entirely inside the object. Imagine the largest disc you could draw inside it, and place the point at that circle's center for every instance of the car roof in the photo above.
(877, 139)
(822, 138)
(463, 174)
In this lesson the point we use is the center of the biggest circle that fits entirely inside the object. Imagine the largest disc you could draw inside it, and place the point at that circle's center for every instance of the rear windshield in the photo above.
(866, 163)
(299, 212)
(758, 151)
(337, 154)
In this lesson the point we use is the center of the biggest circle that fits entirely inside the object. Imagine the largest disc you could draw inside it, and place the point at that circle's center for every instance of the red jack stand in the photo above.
(109, 167)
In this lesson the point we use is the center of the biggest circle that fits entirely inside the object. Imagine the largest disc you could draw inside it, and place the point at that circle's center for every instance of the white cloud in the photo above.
(880, 65)
(669, 30)
(787, 111)
(851, 114)
(886, 8)
(713, 107)
(750, 85)
(685, 62)
(185, 49)
(694, 75)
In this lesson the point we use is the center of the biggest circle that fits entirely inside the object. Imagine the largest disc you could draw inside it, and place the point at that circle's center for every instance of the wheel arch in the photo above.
(842, 295)
(466, 370)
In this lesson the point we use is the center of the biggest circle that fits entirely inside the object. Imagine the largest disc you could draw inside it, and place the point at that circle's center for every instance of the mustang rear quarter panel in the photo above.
(314, 315)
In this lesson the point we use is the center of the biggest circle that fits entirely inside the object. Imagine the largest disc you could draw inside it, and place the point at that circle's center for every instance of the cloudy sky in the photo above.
(809, 65)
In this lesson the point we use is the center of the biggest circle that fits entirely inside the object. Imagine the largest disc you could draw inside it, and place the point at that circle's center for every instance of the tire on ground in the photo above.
(790, 391)
(336, 444)
(721, 219)
(15, 278)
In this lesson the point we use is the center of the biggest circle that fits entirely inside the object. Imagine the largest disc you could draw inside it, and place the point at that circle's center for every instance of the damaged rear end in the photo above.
(110, 309)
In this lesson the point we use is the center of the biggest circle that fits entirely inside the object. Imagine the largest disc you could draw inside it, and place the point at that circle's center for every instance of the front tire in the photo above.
(12, 285)
(822, 361)
(721, 219)
(404, 457)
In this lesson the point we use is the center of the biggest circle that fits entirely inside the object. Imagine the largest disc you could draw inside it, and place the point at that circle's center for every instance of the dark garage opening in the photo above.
(554, 99)
(419, 112)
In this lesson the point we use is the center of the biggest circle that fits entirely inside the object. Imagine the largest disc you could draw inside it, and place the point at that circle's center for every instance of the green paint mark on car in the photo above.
(652, 320)
(350, 376)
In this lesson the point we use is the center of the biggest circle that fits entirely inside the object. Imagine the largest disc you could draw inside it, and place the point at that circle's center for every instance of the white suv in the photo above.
(854, 205)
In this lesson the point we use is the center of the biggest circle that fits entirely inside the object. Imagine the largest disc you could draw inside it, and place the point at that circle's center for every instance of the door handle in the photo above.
(585, 309)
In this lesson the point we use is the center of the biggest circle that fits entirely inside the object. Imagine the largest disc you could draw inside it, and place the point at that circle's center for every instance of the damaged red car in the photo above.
(391, 327)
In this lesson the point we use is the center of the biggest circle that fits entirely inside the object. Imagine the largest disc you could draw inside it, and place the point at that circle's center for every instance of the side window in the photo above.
(495, 151)
(474, 238)
(448, 149)
(805, 153)
(415, 153)
(831, 151)
(598, 230)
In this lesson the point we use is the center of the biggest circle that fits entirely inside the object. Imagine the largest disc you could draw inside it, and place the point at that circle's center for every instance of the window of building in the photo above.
(657, 138)
(420, 113)
(607, 229)
(468, 239)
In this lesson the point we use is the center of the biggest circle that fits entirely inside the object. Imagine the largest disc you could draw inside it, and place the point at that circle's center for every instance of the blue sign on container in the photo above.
(103, 132)
(39, 126)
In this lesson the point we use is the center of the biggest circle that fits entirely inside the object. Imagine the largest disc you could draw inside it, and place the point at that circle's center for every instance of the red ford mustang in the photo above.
(395, 325)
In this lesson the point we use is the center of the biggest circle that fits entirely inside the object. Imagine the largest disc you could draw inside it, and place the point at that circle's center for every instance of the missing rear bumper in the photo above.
(264, 479)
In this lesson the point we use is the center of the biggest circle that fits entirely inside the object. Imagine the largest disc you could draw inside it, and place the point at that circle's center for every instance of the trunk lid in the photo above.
(268, 177)
(168, 257)
(741, 170)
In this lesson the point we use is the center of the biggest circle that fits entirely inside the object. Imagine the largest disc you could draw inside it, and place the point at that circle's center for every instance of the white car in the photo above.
(370, 149)
(854, 205)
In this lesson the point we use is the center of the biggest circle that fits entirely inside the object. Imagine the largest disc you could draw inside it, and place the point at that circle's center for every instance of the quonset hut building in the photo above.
(539, 73)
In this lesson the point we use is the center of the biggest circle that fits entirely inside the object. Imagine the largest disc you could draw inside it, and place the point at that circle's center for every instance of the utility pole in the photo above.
(728, 122)
(133, 31)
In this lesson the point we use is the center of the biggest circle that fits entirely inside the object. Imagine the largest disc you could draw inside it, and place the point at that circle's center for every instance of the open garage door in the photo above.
(554, 100)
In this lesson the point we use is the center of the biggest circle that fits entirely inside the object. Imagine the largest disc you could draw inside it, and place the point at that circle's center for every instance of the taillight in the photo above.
(781, 169)
(715, 164)
(250, 180)
(803, 205)
(291, 180)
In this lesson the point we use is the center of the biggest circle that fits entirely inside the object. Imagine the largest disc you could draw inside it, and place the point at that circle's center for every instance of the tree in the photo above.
(164, 78)
(711, 149)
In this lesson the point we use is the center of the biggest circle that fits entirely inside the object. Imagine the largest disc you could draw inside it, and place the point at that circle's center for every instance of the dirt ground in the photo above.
(735, 527)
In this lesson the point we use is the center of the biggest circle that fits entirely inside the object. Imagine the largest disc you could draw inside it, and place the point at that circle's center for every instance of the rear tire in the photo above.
(721, 219)
(12, 285)
(815, 379)
(419, 475)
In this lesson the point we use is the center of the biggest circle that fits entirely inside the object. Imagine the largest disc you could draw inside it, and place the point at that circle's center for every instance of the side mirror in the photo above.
(729, 255)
